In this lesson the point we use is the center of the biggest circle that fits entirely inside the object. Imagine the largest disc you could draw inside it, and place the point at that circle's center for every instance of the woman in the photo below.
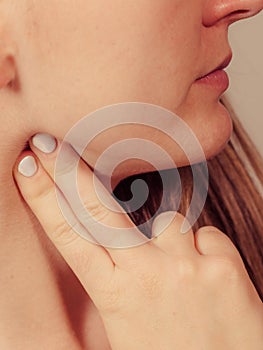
(60, 62)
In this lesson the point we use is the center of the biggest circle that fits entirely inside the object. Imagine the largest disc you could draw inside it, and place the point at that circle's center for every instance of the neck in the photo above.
(29, 267)
(40, 297)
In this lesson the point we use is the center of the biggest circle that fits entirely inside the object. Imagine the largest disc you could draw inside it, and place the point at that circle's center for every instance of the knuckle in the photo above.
(178, 272)
(185, 268)
(43, 192)
(225, 268)
(64, 234)
(70, 161)
(93, 210)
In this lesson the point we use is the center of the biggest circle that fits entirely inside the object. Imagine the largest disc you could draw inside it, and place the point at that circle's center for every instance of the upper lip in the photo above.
(222, 65)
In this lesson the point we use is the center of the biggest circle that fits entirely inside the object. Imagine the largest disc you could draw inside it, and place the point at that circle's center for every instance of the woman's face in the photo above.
(73, 57)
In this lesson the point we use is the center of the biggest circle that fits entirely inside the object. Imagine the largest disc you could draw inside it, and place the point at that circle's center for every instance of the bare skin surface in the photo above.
(41, 90)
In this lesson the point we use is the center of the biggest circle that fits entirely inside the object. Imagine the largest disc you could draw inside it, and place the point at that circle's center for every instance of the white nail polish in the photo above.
(45, 143)
(27, 166)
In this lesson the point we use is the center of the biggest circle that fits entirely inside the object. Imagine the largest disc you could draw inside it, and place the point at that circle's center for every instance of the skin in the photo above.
(42, 91)
(48, 37)
(195, 295)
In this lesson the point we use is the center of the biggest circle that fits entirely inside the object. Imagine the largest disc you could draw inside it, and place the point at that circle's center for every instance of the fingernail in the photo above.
(44, 142)
(27, 166)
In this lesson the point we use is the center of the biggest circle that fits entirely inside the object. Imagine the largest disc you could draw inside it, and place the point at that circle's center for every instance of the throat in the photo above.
(40, 294)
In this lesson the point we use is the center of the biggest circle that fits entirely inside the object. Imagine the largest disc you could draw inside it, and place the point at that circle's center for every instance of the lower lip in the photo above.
(218, 79)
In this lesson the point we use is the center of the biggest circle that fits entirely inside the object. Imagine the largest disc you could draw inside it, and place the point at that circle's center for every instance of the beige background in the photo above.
(246, 75)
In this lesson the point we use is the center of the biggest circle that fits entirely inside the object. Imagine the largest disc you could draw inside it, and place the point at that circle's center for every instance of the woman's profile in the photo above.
(62, 60)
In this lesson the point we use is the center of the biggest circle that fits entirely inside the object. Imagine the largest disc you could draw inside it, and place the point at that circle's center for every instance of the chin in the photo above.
(219, 132)
(213, 127)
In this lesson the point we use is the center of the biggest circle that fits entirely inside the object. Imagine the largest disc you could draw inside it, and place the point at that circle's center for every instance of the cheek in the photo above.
(75, 63)
(115, 56)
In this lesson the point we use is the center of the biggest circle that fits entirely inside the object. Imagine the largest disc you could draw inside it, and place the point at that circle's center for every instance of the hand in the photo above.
(178, 291)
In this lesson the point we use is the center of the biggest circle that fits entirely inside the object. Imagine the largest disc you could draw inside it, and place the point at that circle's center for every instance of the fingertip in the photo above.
(209, 229)
(210, 240)
(26, 165)
(165, 219)
(44, 145)
(161, 222)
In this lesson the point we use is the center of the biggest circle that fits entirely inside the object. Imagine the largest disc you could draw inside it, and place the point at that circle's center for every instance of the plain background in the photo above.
(246, 75)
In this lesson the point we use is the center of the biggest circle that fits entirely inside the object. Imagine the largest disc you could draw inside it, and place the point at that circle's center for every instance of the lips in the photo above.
(221, 66)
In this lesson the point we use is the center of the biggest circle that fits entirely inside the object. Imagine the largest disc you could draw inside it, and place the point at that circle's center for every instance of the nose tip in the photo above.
(231, 10)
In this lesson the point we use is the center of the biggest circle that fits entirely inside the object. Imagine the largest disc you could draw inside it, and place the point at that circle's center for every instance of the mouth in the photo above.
(220, 67)
(216, 78)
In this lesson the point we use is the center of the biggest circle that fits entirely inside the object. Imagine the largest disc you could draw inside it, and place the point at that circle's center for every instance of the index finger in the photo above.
(47, 210)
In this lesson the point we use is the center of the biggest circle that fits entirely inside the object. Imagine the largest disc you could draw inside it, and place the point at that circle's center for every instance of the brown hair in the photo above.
(234, 202)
